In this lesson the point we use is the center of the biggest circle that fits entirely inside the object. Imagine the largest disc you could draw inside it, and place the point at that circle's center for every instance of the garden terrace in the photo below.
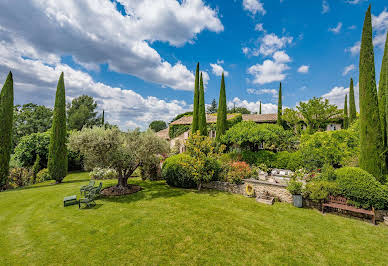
(163, 225)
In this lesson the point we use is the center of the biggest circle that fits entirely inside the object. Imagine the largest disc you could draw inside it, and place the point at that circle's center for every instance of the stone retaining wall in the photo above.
(274, 189)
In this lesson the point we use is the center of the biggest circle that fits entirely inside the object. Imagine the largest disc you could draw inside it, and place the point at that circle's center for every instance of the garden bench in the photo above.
(85, 188)
(70, 200)
(341, 203)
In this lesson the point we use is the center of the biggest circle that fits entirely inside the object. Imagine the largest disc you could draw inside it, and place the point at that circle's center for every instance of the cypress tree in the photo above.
(371, 140)
(221, 113)
(57, 159)
(201, 109)
(195, 123)
(260, 108)
(346, 119)
(352, 103)
(6, 122)
(103, 118)
(383, 87)
(280, 110)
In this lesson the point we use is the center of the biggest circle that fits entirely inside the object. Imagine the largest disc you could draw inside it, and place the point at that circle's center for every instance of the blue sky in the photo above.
(137, 58)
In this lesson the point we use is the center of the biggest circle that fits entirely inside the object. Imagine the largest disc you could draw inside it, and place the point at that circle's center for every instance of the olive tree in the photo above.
(122, 151)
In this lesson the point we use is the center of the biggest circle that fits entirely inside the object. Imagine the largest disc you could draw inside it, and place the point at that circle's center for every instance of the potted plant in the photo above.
(295, 188)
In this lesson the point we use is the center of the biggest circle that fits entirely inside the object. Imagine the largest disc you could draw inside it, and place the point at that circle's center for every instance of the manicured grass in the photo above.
(163, 225)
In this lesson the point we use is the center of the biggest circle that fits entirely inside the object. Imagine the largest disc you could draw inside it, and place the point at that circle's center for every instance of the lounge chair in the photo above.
(85, 188)
(90, 195)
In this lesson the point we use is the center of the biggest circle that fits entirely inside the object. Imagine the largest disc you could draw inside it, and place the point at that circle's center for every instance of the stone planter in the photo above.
(297, 201)
(266, 200)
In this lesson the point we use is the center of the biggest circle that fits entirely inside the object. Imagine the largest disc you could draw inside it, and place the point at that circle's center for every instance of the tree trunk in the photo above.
(122, 182)
(199, 186)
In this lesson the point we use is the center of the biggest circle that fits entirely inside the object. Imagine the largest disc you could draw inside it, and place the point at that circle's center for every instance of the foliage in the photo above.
(212, 109)
(333, 147)
(177, 130)
(237, 118)
(361, 188)
(158, 125)
(346, 119)
(36, 166)
(328, 173)
(176, 172)
(202, 125)
(295, 187)
(30, 118)
(20, 177)
(260, 108)
(352, 104)
(82, 112)
(151, 169)
(382, 92)
(111, 148)
(251, 136)
(238, 110)
(280, 107)
(222, 110)
(57, 158)
(317, 113)
(372, 148)
(6, 118)
(195, 123)
(204, 165)
(319, 190)
(43, 175)
(237, 171)
(103, 173)
(30, 147)
(291, 119)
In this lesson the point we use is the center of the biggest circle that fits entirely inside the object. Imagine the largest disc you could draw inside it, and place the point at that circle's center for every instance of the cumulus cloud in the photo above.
(303, 69)
(354, 2)
(347, 69)
(337, 95)
(266, 108)
(271, 43)
(325, 7)
(254, 6)
(56, 28)
(259, 27)
(336, 29)
(218, 70)
(263, 91)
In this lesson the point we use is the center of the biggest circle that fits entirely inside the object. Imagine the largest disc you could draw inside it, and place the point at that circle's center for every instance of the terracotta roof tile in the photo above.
(163, 134)
(211, 118)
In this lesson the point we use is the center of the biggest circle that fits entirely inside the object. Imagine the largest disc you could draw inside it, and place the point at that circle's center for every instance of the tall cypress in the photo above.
(6, 122)
(383, 87)
(103, 118)
(195, 123)
(352, 103)
(221, 112)
(280, 107)
(201, 110)
(371, 140)
(57, 159)
(346, 119)
(260, 108)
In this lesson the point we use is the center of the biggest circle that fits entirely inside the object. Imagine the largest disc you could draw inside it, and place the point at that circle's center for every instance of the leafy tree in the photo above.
(280, 107)
(372, 148)
(6, 121)
(238, 110)
(36, 167)
(212, 109)
(202, 125)
(32, 146)
(57, 159)
(111, 148)
(352, 104)
(195, 123)
(260, 108)
(317, 113)
(30, 118)
(158, 125)
(346, 119)
(222, 109)
(291, 118)
(82, 112)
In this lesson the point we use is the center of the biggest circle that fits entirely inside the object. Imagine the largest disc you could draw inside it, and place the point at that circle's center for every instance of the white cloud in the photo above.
(263, 91)
(325, 7)
(354, 2)
(337, 29)
(245, 50)
(254, 6)
(271, 43)
(355, 49)
(303, 69)
(337, 95)
(348, 69)
(259, 27)
(281, 57)
(218, 69)
(266, 108)
(353, 27)
(59, 28)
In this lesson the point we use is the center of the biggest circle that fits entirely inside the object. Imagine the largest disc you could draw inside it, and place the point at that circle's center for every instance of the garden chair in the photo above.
(87, 187)
(97, 190)
(89, 199)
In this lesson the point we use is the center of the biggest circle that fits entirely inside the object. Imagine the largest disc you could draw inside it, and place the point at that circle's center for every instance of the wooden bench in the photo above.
(70, 200)
(341, 203)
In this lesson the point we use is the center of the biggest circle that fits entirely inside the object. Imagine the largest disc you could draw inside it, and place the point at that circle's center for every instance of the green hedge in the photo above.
(176, 173)
(320, 189)
(177, 130)
(361, 188)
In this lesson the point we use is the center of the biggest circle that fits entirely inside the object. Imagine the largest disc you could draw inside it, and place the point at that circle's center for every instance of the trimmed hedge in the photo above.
(361, 188)
(176, 172)
(320, 189)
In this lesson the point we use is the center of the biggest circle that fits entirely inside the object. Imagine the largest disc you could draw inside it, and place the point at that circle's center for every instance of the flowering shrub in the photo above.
(103, 173)
(42, 175)
(237, 171)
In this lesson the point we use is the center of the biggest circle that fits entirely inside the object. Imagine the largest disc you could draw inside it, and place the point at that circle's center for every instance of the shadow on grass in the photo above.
(97, 206)
(51, 184)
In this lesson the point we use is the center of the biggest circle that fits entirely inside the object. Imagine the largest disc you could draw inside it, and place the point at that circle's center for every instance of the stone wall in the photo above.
(274, 189)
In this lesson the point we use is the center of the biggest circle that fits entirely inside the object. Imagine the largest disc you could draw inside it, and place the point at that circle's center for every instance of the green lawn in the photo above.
(162, 225)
